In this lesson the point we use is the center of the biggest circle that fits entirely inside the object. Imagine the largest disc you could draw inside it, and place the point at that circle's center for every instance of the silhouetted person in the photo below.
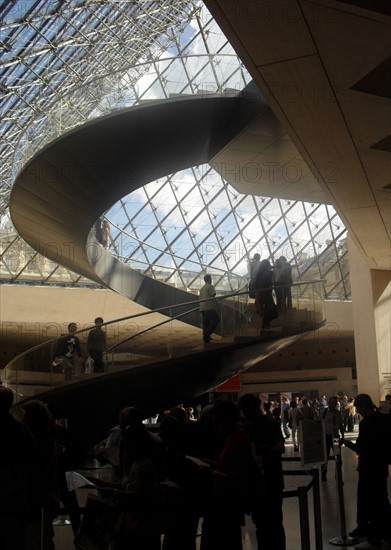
(253, 267)
(373, 449)
(264, 302)
(285, 406)
(333, 427)
(224, 515)
(282, 280)
(134, 520)
(111, 449)
(156, 448)
(292, 415)
(182, 517)
(210, 318)
(267, 439)
(96, 344)
(47, 490)
(67, 351)
(17, 460)
(68, 459)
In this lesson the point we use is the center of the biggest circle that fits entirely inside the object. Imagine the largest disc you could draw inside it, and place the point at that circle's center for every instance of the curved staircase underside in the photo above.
(61, 192)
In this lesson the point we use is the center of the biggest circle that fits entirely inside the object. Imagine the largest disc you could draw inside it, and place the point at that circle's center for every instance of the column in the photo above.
(371, 297)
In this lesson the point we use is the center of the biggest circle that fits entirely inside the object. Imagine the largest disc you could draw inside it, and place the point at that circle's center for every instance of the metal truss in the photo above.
(178, 228)
(66, 62)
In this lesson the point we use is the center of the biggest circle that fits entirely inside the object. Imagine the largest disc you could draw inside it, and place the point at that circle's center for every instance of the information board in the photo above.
(313, 442)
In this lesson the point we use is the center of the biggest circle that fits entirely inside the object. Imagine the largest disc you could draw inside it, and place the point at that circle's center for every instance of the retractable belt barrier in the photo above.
(301, 492)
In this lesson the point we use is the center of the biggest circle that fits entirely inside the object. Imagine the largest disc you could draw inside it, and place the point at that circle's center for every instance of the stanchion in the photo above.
(317, 509)
(344, 539)
(45, 537)
(304, 520)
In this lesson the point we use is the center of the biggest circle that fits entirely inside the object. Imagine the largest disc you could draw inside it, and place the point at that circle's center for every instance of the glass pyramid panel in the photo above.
(111, 55)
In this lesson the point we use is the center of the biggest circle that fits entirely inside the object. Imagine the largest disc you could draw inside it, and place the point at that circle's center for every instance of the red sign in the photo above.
(233, 384)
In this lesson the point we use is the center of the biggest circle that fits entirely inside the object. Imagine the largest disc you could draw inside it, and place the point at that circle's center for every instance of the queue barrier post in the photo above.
(304, 519)
(45, 538)
(317, 509)
(344, 539)
(303, 504)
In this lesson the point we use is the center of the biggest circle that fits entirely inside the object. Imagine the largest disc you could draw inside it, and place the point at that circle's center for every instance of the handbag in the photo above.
(89, 366)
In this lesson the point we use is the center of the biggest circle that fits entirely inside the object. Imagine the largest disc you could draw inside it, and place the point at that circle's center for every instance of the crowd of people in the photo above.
(289, 413)
(263, 280)
(224, 466)
(342, 415)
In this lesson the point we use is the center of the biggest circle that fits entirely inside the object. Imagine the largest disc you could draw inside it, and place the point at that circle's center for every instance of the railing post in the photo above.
(344, 539)
(317, 510)
(44, 530)
(304, 519)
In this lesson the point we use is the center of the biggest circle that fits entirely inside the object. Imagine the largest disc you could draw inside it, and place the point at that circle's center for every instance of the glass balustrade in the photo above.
(128, 249)
(166, 333)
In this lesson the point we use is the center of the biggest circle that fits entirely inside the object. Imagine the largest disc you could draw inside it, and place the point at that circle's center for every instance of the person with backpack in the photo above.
(373, 447)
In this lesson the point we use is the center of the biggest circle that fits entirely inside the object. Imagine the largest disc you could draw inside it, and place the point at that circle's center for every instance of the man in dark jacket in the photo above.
(96, 344)
(373, 449)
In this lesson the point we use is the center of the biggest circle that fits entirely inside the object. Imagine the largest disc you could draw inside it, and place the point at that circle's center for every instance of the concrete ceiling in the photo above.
(324, 68)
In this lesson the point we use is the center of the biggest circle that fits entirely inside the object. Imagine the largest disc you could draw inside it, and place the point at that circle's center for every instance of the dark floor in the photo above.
(330, 509)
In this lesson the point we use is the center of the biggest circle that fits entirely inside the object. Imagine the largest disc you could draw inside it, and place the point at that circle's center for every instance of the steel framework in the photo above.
(66, 62)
